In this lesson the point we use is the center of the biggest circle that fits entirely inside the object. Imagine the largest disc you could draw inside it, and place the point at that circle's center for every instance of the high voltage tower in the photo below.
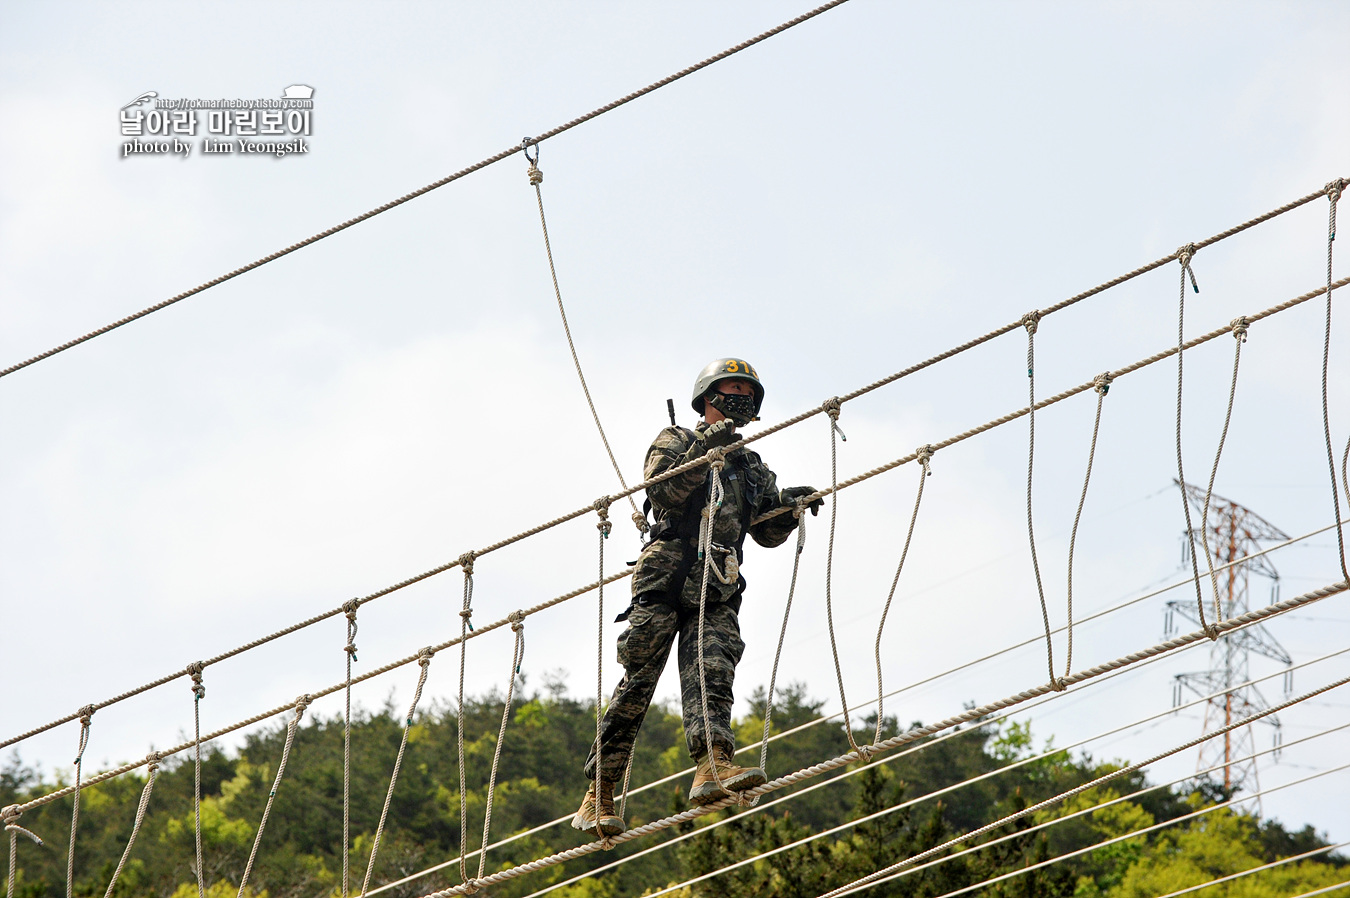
(1231, 532)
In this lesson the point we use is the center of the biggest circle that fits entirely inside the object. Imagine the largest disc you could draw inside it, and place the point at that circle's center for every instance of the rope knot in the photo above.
(924, 454)
(536, 176)
(425, 655)
(466, 614)
(195, 670)
(86, 714)
(1185, 253)
(517, 619)
(466, 562)
(301, 703)
(152, 761)
(604, 525)
(1213, 632)
(470, 886)
(607, 842)
(1102, 382)
(717, 458)
(640, 521)
(865, 754)
(1032, 320)
(832, 407)
(1239, 325)
(9, 814)
(1335, 188)
(1058, 684)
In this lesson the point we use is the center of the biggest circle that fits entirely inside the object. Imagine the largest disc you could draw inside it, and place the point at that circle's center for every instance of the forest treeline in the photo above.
(539, 780)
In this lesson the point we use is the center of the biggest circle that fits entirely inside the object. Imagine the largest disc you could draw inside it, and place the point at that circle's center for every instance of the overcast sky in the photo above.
(857, 194)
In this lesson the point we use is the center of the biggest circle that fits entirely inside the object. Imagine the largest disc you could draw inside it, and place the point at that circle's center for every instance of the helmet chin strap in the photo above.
(739, 409)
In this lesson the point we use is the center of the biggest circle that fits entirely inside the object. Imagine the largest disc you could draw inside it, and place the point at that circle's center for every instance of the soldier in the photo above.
(667, 585)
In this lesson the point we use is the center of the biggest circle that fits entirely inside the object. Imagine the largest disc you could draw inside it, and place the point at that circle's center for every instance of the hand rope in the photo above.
(86, 717)
(832, 407)
(301, 704)
(8, 816)
(1102, 384)
(924, 453)
(1333, 191)
(678, 470)
(1240, 335)
(782, 634)
(1184, 256)
(423, 661)
(913, 735)
(1031, 321)
(466, 612)
(705, 540)
(536, 177)
(152, 771)
(195, 670)
(1078, 790)
(349, 608)
(517, 657)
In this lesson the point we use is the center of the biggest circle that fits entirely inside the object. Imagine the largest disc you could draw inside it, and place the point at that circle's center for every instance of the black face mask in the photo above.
(740, 409)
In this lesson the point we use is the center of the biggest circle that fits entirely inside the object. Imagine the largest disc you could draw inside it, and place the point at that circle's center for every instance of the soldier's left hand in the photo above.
(789, 496)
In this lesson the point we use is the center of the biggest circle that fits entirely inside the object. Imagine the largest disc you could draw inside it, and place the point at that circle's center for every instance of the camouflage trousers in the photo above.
(643, 650)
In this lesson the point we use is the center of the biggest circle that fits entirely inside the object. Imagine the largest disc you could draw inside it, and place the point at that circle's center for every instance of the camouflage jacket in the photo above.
(750, 489)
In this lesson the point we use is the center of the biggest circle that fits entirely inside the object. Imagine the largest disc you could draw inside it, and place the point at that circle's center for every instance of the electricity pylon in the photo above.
(1231, 532)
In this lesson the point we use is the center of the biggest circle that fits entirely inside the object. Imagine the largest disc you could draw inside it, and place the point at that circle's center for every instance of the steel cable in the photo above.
(1240, 335)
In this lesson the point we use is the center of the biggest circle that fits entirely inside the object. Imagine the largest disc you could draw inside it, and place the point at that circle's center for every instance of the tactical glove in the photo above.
(789, 496)
(723, 433)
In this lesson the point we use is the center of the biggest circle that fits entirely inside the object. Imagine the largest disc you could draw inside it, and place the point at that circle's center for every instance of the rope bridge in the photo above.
(916, 739)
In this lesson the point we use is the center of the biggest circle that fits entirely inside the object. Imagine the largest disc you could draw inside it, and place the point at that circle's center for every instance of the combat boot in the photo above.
(734, 779)
(597, 818)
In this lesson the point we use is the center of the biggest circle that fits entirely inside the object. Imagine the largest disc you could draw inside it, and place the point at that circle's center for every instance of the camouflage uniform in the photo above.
(663, 608)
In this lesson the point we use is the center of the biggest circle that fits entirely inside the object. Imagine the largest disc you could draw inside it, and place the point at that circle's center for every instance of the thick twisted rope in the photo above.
(498, 157)
(1240, 335)
(198, 693)
(153, 773)
(9, 817)
(301, 704)
(924, 453)
(1184, 255)
(423, 661)
(832, 407)
(1031, 321)
(1333, 192)
(517, 657)
(536, 177)
(1078, 790)
(1102, 385)
(915, 734)
(465, 626)
(349, 608)
(678, 470)
(782, 635)
(85, 719)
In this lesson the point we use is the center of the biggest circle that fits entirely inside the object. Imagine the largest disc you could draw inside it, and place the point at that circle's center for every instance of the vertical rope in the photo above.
(782, 634)
(715, 496)
(9, 816)
(832, 407)
(1031, 321)
(1240, 334)
(349, 608)
(86, 716)
(604, 527)
(153, 770)
(1184, 256)
(301, 704)
(536, 177)
(1102, 384)
(925, 453)
(466, 612)
(424, 660)
(195, 670)
(517, 619)
(1334, 190)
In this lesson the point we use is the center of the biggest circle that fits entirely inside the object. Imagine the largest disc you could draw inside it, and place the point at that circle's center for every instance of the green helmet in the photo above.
(726, 369)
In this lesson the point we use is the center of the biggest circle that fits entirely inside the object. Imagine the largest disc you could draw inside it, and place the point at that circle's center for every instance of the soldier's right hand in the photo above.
(723, 433)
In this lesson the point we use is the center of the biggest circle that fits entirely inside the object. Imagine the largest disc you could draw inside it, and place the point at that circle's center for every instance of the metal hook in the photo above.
(525, 145)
